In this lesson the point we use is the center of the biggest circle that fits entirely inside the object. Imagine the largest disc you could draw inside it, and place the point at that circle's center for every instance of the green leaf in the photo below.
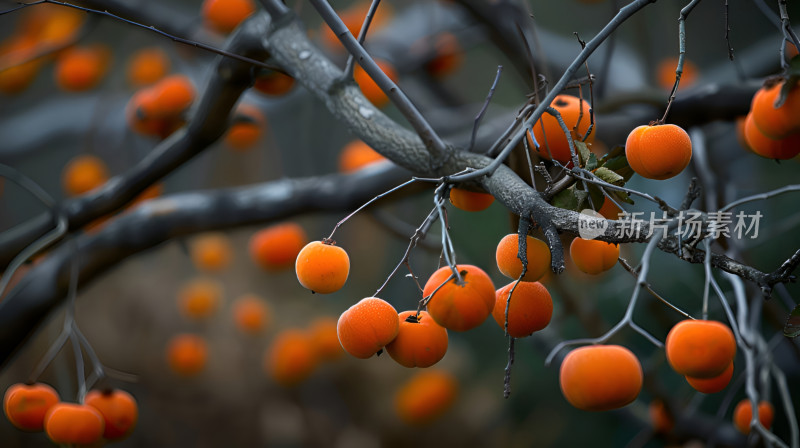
(591, 163)
(583, 151)
(609, 176)
(621, 196)
(571, 199)
(792, 327)
(597, 196)
(615, 152)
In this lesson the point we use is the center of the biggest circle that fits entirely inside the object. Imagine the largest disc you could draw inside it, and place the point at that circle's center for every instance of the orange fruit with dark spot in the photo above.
(82, 174)
(700, 348)
(782, 149)
(600, 377)
(366, 327)
(246, 128)
(119, 411)
(147, 66)
(274, 83)
(593, 256)
(81, 68)
(537, 254)
(187, 354)
(225, 15)
(251, 314)
(530, 309)
(140, 113)
(776, 123)
(200, 298)
(549, 134)
(470, 201)
(211, 252)
(460, 306)
(74, 424)
(712, 385)
(659, 151)
(369, 87)
(325, 338)
(276, 247)
(356, 155)
(291, 358)
(660, 418)
(743, 414)
(665, 72)
(26, 405)
(420, 342)
(427, 396)
(322, 267)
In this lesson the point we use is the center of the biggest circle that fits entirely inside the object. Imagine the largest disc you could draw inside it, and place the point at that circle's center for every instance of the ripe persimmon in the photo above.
(147, 65)
(353, 17)
(665, 72)
(225, 15)
(420, 342)
(593, 256)
(119, 410)
(366, 327)
(658, 151)
(600, 377)
(246, 128)
(274, 83)
(140, 113)
(460, 306)
(776, 123)
(660, 418)
(251, 314)
(82, 174)
(199, 298)
(470, 201)
(81, 68)
(322, 267)
(781, 149)
(743, 414)
(187, 354)
(17, 55)
(609, 210)
(74, 424)
(448, 55)
(549, 134)
(356, 155)
(291, 357)
(369, 87)
(426, 397)
(325, 338)
(530, 309)
(172, 96)
(26, 405)
(700, 348)
(276, 247)
(537, 252)
(211, 252)
(714, 384)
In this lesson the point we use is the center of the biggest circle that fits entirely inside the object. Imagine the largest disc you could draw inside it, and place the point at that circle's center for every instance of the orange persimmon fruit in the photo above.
(460, 305)
(420, 342)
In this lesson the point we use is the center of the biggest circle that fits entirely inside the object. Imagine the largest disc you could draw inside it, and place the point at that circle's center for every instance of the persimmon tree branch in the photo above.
(44, 287)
